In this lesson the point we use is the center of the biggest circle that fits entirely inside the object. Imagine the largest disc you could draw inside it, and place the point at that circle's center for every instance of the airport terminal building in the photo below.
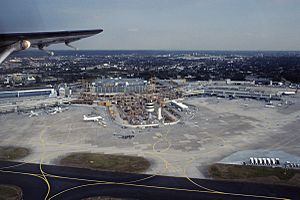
(27, 93)
(119, 85)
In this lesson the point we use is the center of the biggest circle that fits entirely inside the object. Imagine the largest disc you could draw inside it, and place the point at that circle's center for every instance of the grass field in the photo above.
(13, 153)
(9, 192)
(259, 174)
(99, 161)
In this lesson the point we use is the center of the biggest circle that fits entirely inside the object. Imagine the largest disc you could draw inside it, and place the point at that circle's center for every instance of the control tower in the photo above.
(150, 109)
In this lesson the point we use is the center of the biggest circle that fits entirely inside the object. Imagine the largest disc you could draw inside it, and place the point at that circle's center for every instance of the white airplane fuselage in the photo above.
(95, 119)
(33, 114)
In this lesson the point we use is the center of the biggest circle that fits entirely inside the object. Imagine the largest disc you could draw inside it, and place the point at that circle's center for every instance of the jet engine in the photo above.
(25, 44)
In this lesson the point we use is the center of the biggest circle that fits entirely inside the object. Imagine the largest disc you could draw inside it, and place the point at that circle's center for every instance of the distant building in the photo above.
(228, 81)
(61, 92)
(68, 92)
(178, 81)
(27, 93)
(259, 80)
(262, 81)
(64, 90)
(119, 85)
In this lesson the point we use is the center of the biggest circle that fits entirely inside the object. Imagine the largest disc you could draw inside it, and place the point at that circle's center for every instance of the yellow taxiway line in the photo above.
(44, 175)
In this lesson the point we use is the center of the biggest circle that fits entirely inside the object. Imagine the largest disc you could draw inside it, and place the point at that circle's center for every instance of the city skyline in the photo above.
(163, 25)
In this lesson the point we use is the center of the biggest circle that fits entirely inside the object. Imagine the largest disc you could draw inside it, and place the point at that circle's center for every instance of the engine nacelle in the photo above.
(25, 44)
(17, 46)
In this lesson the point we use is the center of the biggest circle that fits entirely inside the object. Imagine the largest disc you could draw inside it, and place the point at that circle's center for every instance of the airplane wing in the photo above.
(10, 42)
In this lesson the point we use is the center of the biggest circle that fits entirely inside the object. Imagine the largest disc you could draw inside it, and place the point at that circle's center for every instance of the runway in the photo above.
(55, 182)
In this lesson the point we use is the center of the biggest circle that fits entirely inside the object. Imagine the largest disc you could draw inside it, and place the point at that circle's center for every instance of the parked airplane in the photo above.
(57, 110)
(124, 136)
(12, 42)
(95, 119)
(33, 114)
(102, 123)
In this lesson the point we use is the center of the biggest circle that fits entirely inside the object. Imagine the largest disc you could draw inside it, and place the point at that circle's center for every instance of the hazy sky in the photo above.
(163, 24)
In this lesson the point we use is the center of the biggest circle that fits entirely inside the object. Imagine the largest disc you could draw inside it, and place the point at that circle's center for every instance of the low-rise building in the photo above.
(27, 92)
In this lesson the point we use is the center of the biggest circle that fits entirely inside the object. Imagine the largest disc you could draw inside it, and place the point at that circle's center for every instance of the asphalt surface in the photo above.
(55, 182)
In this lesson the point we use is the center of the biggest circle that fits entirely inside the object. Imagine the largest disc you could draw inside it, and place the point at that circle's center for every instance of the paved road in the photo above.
(54, 182)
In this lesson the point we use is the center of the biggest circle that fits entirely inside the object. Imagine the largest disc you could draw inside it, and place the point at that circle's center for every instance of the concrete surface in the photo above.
(211, 130)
